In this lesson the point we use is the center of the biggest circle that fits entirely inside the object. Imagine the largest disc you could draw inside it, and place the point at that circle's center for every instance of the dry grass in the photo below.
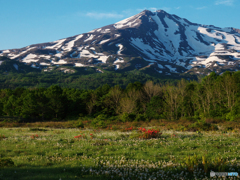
(163, 125)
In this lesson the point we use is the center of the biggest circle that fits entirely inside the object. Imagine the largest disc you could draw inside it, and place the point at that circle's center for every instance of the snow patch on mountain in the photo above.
(231, 63)
(13, 56)
(70, 45)
(86, 53)
(103, 58)
(219, 47)
(118, 61)
(61, 61)
(44, 56)
(120, 48)
(57, 45)
(162, 36)
(106, 31)
(30, 58)
(79, 65)
(197, 46)
(171, 33)
(127, 22)
(208, 62)
(117, 67)
(45, 64)
(104, 41)
(117, 35)
(59, 55)
(6, 51)
(89, 38)
(145, 48)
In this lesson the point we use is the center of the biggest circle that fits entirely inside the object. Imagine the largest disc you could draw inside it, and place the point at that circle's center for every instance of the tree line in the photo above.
(214, 96)
(13, 80)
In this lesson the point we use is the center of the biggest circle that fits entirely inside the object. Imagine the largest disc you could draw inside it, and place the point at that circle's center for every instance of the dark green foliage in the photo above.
(136, 86)
(214, 97)
(80, 124)
(155, 108)
(129, 117)
(202, 126)
(83, 78)
(141, 117)
(57, 101)
(99, 121)
(6, 162)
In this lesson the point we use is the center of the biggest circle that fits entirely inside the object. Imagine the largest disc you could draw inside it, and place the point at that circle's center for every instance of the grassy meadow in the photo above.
(123, 151)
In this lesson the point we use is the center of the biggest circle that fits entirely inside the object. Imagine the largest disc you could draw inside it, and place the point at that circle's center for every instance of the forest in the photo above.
(214, 96)
(83, 77)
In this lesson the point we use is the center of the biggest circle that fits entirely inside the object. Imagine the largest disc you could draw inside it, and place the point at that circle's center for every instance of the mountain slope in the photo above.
(157, 41)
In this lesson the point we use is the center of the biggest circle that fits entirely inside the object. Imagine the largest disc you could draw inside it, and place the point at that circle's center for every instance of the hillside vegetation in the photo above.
(16, 74)
(215, 97)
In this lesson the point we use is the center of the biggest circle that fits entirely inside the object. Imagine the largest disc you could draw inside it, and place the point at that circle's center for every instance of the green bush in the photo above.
(99, 121)
(101, 117)
(101, 124)
(6, 162)
(204, 126)
(126, 117)
(141, 117)
(231, 116)
(80, 124)
(98, 124)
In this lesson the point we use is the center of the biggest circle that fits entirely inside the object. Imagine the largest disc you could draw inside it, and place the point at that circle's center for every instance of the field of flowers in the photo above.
(130, 154)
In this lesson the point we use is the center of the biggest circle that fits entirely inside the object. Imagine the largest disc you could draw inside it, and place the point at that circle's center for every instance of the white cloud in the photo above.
(165, 9)
(129, 12)
(98, 15)
(200, 8)
(140, 10)
(225, 2)
(123, 14)
(155, 9)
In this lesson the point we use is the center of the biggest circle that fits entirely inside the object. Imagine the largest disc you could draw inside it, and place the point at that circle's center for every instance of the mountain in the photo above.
(154, 42)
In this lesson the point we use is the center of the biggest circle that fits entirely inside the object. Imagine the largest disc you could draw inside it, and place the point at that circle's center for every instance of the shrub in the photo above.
(101, 124)
(202, 126)
(114, 127)
(231, 116)
(99, 121)
(126, 117)
(141, 117)
(2, 137)
(101, 117)
(6, 162)
(80, 124)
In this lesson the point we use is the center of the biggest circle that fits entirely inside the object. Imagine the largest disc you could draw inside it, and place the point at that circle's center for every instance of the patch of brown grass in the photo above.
(180, 125)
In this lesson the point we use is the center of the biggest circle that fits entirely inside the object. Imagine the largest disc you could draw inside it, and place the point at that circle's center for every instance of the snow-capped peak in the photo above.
(170, 43)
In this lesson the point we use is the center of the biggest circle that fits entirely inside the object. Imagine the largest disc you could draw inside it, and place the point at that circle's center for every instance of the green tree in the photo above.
(57, 101)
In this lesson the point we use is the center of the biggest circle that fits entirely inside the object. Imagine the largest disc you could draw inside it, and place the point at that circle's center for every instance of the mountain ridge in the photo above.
(164, 43)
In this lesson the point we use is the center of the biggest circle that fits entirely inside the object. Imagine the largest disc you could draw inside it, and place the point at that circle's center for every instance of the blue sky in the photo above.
(26, 22)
